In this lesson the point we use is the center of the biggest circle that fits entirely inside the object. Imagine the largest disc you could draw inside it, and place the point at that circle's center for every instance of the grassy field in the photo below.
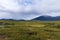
(29, 30)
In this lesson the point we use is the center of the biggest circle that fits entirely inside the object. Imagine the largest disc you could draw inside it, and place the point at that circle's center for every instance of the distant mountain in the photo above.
(13, 19)
(47, 18)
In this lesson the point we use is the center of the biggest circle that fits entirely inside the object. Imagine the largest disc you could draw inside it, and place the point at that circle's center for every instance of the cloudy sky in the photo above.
(28, 9)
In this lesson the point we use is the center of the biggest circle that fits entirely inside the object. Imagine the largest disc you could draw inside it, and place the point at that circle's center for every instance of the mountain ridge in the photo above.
(47, 18)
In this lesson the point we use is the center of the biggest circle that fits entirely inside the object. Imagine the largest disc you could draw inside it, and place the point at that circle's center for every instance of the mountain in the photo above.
(47, 18)
(13, 19)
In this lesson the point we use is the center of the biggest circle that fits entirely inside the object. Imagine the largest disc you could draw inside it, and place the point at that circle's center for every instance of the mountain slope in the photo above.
(47, 18)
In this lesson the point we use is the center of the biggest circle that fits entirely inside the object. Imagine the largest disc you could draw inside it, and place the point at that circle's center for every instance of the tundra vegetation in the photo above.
(29, 30)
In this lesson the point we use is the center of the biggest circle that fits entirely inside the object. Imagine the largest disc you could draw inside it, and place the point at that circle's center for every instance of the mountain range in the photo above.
(40, 18)
(47, 18)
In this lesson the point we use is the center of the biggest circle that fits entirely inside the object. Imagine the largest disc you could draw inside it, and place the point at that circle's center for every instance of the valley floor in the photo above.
(29, 30)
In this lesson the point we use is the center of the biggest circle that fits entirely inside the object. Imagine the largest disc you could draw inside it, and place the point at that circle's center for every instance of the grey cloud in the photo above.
(28, 9)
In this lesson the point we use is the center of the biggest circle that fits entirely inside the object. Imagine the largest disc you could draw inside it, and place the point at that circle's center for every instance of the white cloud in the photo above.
(10, 5)
(5, 15)
(48, 7)
(20, 9)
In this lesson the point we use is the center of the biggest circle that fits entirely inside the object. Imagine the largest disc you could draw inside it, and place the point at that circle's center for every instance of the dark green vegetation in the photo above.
(29, 30)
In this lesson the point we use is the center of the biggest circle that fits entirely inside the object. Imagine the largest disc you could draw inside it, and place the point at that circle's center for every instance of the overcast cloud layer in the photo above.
(28, 9)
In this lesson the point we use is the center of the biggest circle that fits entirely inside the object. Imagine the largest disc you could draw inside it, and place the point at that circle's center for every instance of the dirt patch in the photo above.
(3, 37)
